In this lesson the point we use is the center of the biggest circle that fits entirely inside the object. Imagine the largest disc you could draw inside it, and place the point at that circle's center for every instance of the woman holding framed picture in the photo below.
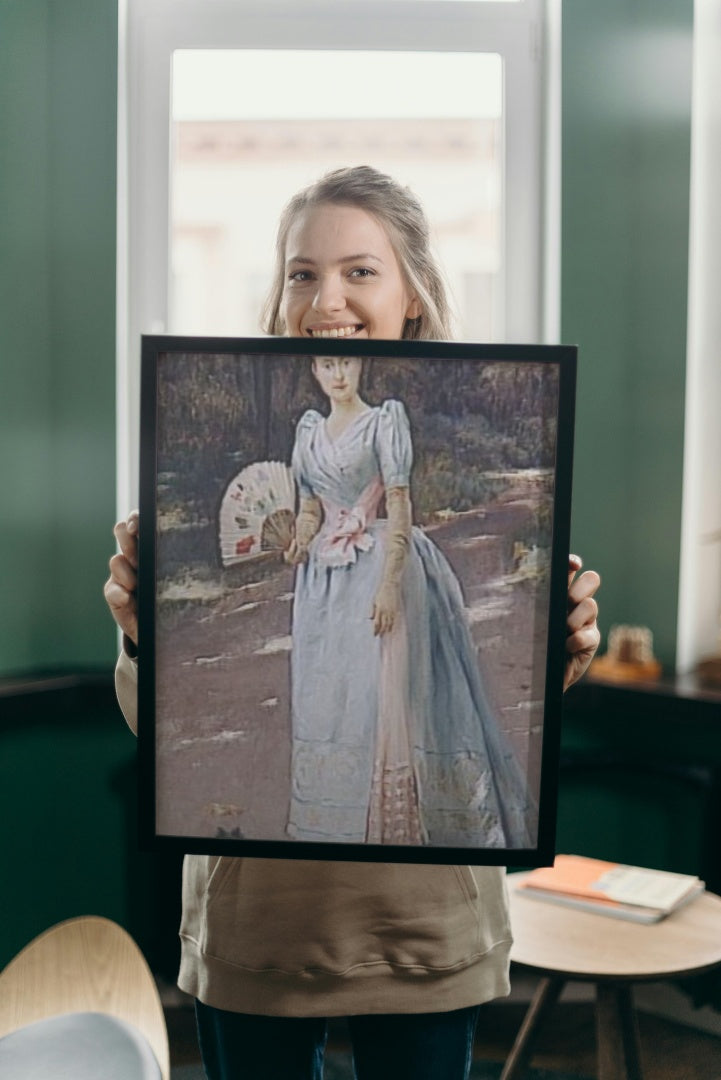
(272, 948)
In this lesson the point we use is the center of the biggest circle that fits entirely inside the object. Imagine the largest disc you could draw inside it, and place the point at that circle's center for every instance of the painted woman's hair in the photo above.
(403, 217)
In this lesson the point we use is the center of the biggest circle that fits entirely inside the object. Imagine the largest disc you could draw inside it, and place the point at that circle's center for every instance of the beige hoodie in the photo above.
(299, 938)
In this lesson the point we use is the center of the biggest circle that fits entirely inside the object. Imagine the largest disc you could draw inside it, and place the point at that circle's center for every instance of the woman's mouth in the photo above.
(335, 331)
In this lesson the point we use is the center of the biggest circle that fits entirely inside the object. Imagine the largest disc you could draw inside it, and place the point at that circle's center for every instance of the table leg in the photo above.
(617, 1033)
(545, 997)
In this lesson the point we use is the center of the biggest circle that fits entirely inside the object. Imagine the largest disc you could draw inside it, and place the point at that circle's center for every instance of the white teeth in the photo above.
(335, 332)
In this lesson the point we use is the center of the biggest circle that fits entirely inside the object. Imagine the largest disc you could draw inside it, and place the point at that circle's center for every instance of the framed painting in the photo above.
(352, 597)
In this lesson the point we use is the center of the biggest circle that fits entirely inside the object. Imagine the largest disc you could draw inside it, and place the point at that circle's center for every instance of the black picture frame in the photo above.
(491, 429)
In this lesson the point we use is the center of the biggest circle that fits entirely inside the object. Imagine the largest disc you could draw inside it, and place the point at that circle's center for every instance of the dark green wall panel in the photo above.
(58, 77)
(69, 808)
(25, 401)
(66, 814)
(626, 145)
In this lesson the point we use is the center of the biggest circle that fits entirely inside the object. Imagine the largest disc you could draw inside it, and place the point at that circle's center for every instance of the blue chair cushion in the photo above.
(78, 1046)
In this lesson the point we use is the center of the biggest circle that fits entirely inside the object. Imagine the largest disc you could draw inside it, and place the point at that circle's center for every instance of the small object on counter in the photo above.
(629, 656)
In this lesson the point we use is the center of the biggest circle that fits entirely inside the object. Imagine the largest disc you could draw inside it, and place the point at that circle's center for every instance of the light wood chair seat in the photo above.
(84, 965)
(563, 944)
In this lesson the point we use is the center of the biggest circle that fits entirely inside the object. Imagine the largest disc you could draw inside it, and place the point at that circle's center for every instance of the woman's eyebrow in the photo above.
(361, 257)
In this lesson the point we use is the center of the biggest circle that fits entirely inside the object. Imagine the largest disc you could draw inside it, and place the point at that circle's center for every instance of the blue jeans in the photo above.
(414, 1046)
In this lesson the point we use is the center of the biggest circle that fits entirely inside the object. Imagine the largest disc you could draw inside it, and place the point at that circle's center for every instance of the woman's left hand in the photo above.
(583, 635)
(385, 609)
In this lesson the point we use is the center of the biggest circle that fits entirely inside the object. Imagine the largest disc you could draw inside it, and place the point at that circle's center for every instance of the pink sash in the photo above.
(344, 531)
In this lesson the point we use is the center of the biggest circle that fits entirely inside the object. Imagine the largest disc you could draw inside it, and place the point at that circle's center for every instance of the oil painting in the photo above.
(352, 597)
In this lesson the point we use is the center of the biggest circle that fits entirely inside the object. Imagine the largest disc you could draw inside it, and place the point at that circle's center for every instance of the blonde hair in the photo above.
(403, 217)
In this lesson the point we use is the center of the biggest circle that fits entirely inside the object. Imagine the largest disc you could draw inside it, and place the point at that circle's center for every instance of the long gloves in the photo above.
(307, 523)
(398, 535)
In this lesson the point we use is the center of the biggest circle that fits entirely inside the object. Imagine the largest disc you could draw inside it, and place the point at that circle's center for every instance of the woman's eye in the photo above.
(299, 276)
(362, 272)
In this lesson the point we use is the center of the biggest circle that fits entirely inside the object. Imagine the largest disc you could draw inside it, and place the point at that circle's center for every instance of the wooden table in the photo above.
(563, 944)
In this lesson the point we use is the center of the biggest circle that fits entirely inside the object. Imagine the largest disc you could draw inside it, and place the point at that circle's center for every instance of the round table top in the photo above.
(559, 940)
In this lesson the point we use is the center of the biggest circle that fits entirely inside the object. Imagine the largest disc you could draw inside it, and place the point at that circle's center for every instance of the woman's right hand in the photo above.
(121, 587)
(295, 553)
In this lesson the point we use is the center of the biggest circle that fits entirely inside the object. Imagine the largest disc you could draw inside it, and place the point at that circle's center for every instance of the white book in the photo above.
(613, 908)
(595, 885)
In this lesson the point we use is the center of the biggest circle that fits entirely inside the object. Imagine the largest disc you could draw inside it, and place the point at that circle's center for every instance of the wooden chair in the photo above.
(89, 971)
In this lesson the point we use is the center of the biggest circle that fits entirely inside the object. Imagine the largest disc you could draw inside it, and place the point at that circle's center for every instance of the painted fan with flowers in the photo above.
(257, 512)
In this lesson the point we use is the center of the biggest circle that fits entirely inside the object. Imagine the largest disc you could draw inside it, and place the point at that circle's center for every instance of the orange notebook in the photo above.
(632, 892)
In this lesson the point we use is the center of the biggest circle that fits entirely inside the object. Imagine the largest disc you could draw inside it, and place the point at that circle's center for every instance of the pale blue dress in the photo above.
(397, 724)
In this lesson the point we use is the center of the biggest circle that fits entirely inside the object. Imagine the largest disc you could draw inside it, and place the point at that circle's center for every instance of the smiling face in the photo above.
(342, 277)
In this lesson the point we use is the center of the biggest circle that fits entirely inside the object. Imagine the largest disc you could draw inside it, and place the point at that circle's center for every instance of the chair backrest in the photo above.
(88, 964)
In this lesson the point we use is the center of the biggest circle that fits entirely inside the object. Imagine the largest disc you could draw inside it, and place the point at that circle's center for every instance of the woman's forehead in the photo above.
(333, 231)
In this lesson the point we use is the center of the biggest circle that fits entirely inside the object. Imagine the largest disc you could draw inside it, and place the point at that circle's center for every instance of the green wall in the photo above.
(626, 145)
(69, 813)
(58, 72)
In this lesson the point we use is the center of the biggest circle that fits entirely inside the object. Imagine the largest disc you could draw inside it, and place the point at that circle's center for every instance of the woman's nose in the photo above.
(329, 295)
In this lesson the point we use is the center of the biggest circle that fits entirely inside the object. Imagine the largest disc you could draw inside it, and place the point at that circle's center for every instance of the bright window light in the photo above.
(220, 84)
(238, 155)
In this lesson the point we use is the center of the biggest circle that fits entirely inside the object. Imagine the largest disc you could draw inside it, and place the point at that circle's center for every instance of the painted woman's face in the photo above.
(338, 377)
(342, 277)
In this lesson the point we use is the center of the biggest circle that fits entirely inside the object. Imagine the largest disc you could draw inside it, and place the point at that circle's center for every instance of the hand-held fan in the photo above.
(257, 512)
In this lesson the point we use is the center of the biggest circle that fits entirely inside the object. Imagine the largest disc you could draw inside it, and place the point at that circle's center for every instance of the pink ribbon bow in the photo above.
(345, 531)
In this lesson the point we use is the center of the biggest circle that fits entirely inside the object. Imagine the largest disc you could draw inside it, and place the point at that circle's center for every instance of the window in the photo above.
(235, 161)
(232, 104)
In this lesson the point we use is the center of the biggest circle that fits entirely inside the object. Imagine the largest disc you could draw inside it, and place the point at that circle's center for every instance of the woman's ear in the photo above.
(415, 309)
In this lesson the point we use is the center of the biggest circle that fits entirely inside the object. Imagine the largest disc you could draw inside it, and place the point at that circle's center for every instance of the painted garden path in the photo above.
(223, 731)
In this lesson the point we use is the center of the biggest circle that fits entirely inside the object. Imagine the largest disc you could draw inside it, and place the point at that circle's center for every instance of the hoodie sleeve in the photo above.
(126, 688)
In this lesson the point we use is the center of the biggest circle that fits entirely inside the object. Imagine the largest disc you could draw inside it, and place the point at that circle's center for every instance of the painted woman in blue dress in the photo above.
(393, 739)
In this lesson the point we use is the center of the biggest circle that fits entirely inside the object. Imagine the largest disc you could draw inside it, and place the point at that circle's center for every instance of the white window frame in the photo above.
(526, 34)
